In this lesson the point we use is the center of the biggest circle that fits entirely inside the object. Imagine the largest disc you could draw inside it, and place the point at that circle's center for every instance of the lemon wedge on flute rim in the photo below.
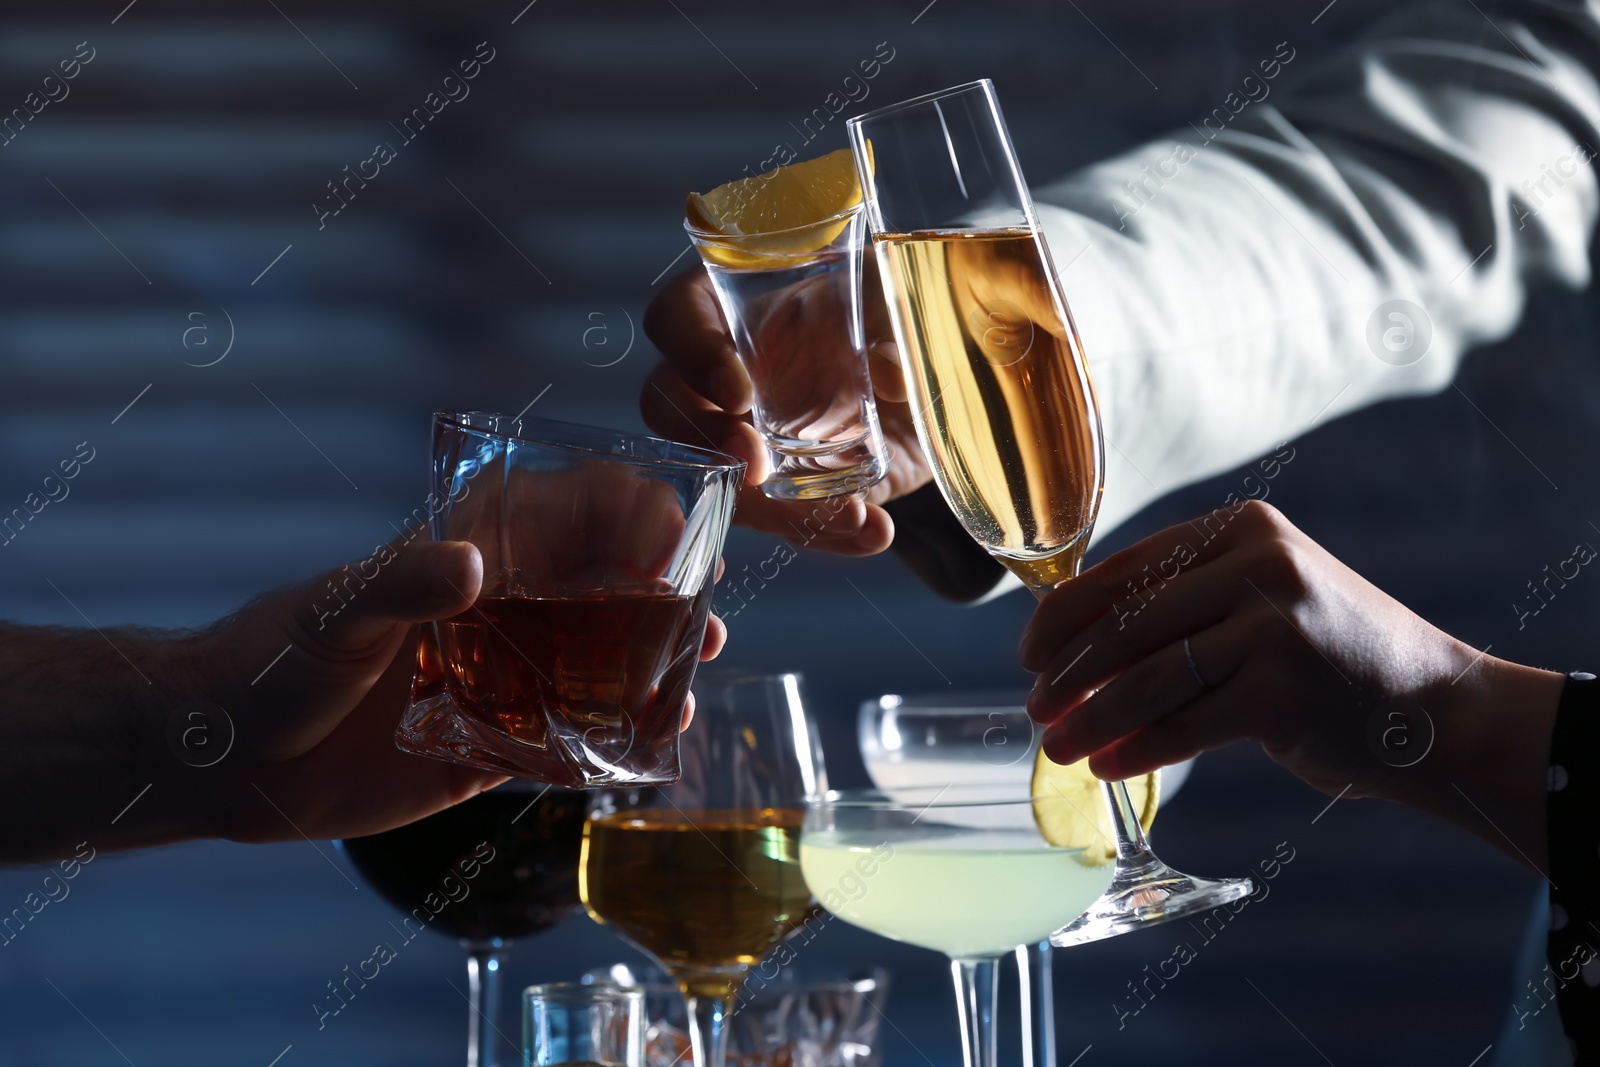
(1071, 812)
(795, 210)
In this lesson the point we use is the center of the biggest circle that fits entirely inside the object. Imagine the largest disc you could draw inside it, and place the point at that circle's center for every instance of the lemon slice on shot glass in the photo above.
(790, 210)
(1070, 808)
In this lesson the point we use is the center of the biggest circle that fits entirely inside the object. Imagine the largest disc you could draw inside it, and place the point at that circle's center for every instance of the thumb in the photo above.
(348, 611)
(342, 632)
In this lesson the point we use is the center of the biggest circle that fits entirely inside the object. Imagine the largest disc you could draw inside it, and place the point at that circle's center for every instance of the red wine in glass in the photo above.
(498, 867)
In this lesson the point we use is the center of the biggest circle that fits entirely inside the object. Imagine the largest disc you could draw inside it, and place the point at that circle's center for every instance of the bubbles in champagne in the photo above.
(999, 390)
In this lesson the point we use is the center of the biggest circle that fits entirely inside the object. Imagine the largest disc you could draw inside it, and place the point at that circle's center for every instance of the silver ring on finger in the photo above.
(1194, 668)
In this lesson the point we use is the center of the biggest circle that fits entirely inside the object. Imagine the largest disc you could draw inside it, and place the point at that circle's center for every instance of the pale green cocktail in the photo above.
(962, 870)
(964, 894)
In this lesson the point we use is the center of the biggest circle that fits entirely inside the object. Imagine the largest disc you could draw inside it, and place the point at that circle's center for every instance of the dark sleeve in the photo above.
(1573, 814)
(932, 542)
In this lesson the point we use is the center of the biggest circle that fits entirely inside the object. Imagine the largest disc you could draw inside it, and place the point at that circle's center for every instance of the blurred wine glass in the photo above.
(704, 875)
(491, 870)
(960, 738)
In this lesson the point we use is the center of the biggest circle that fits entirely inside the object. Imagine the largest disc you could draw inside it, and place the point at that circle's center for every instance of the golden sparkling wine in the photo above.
(708, 893)
(1001, 405)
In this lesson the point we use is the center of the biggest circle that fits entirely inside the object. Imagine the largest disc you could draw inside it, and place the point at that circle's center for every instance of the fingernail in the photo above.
(1107, 767)
(449, 571)
(1034, 705)
(1060, 749)
(737, 447)
(843, 525)
(727, 389)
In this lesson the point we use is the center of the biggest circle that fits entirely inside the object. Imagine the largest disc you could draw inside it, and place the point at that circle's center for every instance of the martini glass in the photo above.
(962, 870)
(974, 738)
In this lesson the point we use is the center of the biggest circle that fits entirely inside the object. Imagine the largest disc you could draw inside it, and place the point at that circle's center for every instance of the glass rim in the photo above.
(863, 985)
(708, 459)
(712, 235)
(940, 798)
(985, 85)
(713, 675)
(528, 785)
(580, 991)
(937, 703)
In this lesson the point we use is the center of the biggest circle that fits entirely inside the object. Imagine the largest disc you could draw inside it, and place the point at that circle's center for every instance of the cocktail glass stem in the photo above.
(1131, 844)
(1144, 891)
(977, 987)
(483, 994)
(1132, 848)
(708, 1036)
(1037, 995)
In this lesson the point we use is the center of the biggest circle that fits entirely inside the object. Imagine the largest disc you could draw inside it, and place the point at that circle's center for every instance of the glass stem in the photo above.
(708, 1034)
(977, 987)
(483, 994)
(1037, 994)
(1132, 848)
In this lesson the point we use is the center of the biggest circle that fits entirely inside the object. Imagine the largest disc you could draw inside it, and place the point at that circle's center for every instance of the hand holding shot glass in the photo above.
(783, 250)
(599, 553)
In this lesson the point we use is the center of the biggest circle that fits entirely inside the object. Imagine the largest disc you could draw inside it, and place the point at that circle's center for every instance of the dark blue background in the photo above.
(474, 271)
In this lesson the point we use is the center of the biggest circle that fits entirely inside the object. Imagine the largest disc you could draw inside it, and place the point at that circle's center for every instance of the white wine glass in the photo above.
(1000, 393)
(704, 875)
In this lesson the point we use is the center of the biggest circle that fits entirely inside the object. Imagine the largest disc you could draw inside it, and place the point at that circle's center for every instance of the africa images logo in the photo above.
(1399, 332)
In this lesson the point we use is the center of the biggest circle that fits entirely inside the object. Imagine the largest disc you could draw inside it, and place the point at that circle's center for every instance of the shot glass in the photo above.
(599, 552)
(792, 301)
(567, 1024)
(780, 1019)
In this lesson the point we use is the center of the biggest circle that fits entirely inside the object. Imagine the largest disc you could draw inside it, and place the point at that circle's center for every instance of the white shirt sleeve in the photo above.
(1232, 284)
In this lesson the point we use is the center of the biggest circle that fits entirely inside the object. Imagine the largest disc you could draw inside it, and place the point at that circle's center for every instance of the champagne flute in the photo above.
(704, 875)
(1000, 392)
(498, 867)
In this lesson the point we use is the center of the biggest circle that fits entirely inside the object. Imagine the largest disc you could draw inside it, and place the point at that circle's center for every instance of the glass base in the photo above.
(1146, 892)
(825, 485)
(437, 726)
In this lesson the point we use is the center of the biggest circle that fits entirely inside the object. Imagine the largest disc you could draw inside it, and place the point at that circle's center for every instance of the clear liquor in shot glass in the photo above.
(792, 300)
